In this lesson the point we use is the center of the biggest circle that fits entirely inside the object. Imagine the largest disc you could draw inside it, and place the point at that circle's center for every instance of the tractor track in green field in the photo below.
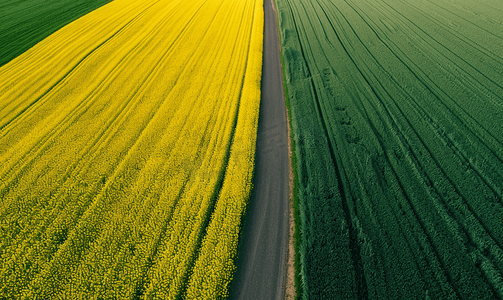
(395, 106)
(342, 184)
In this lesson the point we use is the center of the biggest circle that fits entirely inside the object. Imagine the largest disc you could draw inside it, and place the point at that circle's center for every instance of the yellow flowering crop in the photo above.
(127, 141)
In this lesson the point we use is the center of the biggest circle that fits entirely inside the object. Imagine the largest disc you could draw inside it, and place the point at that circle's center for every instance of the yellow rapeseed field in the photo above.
(127, 141)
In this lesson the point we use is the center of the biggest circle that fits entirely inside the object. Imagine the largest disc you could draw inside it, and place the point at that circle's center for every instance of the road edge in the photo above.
(291, 288)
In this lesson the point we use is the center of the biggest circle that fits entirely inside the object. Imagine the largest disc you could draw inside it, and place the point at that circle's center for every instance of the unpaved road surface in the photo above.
(264, 241)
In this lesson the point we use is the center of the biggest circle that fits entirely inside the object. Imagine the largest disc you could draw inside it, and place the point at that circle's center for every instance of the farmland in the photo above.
(127, 142)
(396, 109)
(25, 23)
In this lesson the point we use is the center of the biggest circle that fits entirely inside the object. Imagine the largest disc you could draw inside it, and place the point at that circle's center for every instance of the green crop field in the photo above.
(23, 23)
(396, 110)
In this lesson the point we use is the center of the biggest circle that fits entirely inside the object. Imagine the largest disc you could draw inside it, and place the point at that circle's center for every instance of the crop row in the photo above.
(127, 142)
(396, 108)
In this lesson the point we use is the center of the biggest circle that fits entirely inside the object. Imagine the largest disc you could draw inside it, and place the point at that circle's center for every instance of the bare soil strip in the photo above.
(290, 268)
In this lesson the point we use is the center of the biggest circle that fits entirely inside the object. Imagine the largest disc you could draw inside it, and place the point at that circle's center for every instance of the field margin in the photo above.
(294, 199)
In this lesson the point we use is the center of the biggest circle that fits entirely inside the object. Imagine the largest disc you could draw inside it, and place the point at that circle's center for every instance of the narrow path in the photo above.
(264, 241)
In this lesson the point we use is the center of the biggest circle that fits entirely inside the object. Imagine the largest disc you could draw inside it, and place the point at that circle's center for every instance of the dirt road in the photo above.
(263, 246)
